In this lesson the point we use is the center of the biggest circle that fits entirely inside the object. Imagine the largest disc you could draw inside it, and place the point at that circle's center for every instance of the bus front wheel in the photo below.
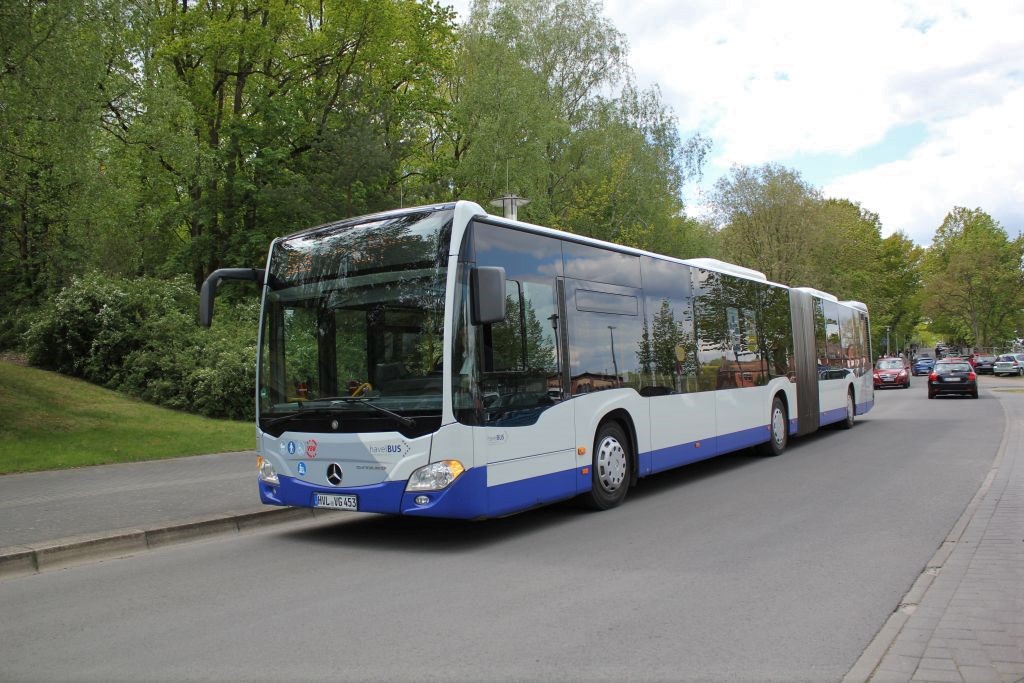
(779, 428)
(610, 470)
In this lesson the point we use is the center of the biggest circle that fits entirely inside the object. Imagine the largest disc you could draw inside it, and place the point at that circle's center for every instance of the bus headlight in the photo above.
(267, 471)
(435, 476)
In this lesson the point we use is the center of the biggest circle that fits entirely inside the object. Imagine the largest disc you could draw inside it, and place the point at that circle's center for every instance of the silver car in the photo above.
(1009, 364)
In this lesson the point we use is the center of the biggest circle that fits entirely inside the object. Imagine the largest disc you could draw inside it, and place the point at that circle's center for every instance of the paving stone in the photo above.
(980, 674)
(1005, 654)
(943, 663)
(964, 657)
(937, 676)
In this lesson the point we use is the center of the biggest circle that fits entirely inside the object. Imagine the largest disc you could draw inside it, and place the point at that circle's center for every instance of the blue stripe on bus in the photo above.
(385, 497)
(469, 497)
(464, 499)
(514, 496)
(830, 416)
(687, 453)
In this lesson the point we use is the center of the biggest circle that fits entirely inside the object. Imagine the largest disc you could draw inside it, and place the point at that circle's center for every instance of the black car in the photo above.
(983, 364)
(953, 377)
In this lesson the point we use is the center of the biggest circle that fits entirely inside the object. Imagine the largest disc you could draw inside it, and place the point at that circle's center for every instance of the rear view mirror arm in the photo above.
(209, 289)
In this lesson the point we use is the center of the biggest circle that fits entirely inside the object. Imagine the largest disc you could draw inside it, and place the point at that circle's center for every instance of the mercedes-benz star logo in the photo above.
(334, 474)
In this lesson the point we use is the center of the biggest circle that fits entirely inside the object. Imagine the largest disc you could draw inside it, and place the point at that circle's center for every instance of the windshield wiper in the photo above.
(406, 422)
(302, 412)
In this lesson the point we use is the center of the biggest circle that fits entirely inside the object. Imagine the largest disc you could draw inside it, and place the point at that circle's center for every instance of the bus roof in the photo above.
(705, 263)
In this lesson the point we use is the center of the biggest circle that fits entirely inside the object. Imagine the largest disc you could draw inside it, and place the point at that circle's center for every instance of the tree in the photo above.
(776, 223)
(769, 216)
(279, 115)
(974, 278)
(51, 64)
(544, 107)
(895, 302)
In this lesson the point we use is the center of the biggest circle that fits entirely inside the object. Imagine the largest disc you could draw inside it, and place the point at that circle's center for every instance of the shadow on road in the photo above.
(452, 535)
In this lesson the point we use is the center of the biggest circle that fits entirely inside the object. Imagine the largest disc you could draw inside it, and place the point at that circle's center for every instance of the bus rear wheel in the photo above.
(779, 428)
(610, 471)
(851, 411)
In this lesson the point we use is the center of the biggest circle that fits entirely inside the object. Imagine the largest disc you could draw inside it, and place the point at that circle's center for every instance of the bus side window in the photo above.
(519, 360)
(668, 350)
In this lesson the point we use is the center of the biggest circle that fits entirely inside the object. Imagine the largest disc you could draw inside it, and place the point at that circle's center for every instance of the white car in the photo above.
(1009, 364)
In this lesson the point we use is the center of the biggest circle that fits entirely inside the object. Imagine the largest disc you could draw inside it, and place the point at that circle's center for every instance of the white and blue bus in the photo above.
(439, 361)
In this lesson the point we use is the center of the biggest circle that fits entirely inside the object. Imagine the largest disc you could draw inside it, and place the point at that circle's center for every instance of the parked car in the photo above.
(983, 364)
(1009, 364)
(892, 372)
(953, 377)
(923, 366)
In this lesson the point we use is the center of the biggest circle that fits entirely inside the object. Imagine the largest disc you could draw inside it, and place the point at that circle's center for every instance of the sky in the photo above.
(908, 108)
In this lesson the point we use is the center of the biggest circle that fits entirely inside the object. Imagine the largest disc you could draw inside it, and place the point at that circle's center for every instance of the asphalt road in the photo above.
(740, 568)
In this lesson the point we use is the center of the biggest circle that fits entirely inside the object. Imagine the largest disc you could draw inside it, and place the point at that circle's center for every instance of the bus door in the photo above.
(526, 438)
(605, 328)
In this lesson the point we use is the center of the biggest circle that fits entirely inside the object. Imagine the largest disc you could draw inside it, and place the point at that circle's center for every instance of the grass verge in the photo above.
(49, 421)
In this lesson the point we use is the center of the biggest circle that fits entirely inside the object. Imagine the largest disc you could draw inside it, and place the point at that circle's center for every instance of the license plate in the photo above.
(888, 379)
(952, 379)
(336, 501)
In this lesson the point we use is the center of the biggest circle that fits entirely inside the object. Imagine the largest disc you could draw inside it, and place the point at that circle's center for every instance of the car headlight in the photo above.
(435, 476)
(267, 471)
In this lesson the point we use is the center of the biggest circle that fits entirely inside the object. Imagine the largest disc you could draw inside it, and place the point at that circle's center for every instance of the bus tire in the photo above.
(610, 467)
(851, 411)
(778, 426)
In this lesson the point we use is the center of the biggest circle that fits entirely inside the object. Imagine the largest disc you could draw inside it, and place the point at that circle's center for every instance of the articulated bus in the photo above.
(439, 361)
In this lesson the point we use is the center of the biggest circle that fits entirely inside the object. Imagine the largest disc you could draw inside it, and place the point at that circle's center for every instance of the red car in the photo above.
(892, 372)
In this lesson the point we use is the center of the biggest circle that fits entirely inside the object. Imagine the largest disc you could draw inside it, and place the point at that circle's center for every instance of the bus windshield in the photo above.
(352, 326)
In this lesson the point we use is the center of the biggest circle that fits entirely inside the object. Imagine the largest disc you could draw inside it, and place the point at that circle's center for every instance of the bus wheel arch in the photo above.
(778, 427)
(613, 461)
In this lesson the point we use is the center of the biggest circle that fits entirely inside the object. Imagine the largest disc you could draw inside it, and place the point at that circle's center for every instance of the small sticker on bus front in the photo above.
(497, 438)
(301, 469)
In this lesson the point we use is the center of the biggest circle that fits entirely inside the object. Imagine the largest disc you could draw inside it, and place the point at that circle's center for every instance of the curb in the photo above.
(33, 558)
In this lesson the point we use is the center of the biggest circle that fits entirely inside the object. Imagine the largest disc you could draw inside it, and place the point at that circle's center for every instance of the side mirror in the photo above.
(487, 294)
(209, 290)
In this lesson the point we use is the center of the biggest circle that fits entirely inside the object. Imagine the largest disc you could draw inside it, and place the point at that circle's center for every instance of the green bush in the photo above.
(141, 337)
(13, 325)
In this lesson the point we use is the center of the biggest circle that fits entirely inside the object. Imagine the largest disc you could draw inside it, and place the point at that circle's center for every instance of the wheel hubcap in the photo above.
(611, 464)
(778, 426)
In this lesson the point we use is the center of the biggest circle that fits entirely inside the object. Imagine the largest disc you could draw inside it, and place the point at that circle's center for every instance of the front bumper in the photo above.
(465, 498)
(966, 388)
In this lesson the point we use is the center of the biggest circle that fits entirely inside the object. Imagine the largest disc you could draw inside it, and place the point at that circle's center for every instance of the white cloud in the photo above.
(772, 81)
(791, 79)
(975, 160)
